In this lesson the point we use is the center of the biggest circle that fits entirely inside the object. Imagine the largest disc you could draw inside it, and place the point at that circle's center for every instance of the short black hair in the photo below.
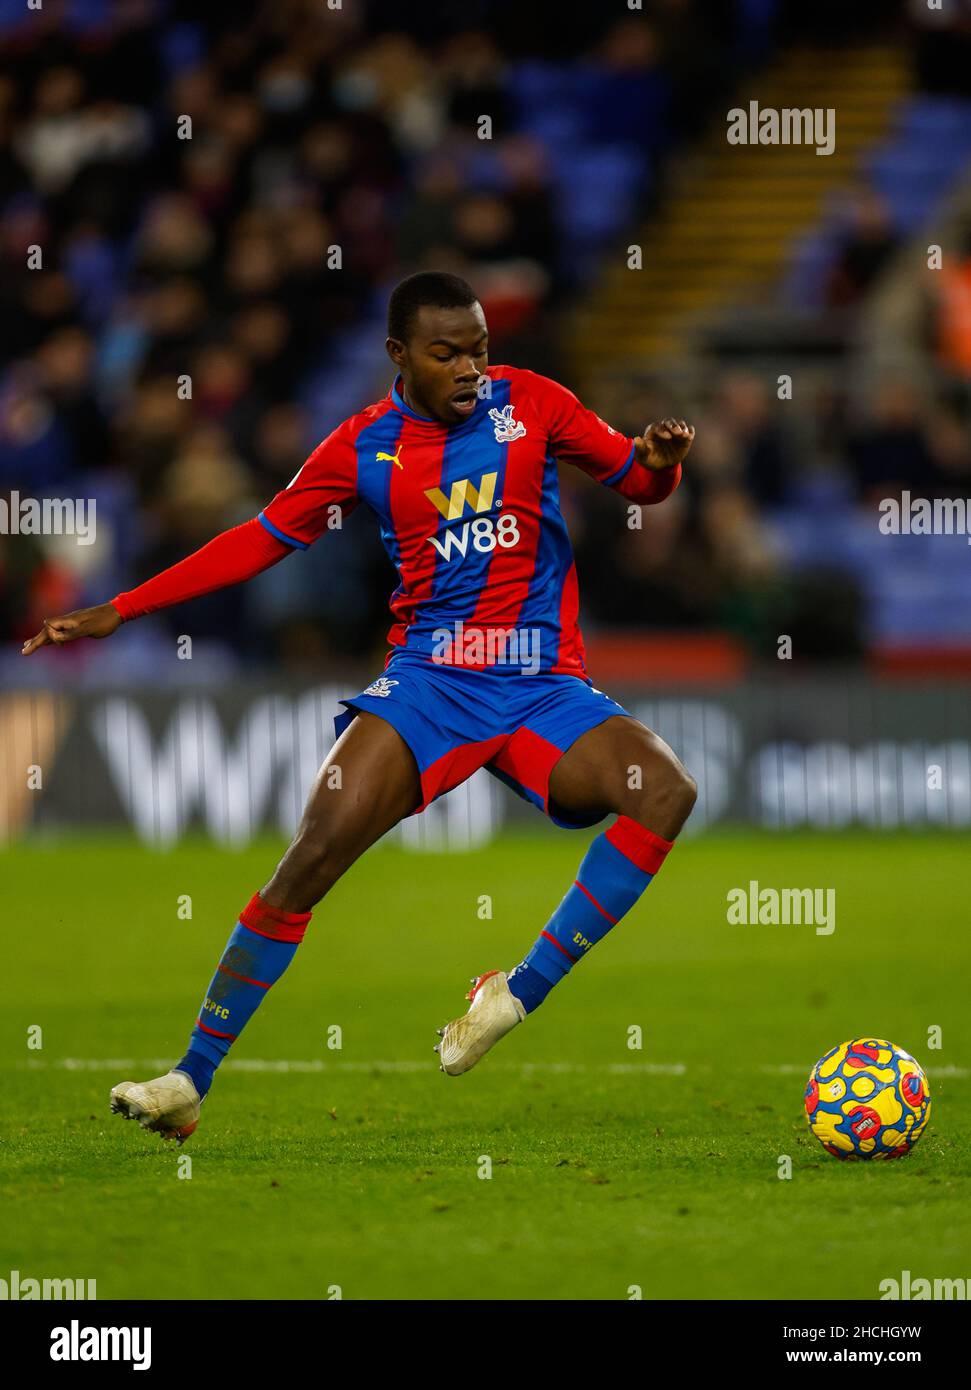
(433, 287)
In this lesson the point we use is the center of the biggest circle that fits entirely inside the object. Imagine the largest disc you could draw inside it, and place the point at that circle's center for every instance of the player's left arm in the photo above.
(655, 469)
(645, 469)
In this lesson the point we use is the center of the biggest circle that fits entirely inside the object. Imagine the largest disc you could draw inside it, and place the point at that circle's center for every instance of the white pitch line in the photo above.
(320, 1065)
(792, 1069)
(317, 1064)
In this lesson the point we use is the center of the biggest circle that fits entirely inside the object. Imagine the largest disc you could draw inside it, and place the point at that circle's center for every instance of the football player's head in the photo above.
(438, 340)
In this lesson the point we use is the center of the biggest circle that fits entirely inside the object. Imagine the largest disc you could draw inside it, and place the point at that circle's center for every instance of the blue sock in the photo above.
(528, 985)
(262, 945)
(200, 1068)
(616, 869)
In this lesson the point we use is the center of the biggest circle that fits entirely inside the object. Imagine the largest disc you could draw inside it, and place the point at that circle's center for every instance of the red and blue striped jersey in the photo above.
(469, 513)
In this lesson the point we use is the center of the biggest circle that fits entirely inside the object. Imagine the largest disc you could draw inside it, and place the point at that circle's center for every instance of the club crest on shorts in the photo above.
(507, 429)
(382, 686)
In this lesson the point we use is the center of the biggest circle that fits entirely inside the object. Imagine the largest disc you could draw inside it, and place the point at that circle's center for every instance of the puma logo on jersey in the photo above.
(479, 498)
(506, 428)
(389, 458)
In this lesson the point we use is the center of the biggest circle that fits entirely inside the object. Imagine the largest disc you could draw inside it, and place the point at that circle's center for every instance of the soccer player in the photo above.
(486, 668)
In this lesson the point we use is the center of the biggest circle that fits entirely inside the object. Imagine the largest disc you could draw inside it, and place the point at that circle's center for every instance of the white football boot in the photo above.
(169, 1104)
(493, 1013)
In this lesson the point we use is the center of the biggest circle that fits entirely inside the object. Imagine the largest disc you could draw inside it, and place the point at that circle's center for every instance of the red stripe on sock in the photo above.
(602, 910)
(572, 959)
(273, 921)
(214, 1032)
(225, 970)
(638, 844)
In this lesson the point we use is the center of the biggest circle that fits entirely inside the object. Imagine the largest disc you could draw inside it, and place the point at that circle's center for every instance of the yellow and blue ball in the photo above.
(867, 1099)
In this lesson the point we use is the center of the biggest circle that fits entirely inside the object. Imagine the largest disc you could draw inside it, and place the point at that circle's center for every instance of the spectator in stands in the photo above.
(953, 312)
(864, 250)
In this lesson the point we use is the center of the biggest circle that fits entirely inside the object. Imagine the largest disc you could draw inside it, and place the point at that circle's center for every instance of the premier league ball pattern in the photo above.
(867, 1099)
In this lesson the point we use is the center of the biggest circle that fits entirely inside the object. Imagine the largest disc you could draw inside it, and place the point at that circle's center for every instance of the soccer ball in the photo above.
(867, 1099)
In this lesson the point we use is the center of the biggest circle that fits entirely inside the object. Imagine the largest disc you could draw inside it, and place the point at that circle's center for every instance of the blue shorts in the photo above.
(456, 720)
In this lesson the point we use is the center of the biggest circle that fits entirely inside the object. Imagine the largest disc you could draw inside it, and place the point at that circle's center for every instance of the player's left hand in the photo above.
(665, 444)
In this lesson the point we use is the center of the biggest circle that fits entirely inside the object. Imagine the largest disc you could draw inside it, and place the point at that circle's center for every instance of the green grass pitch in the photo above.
(360, 1170)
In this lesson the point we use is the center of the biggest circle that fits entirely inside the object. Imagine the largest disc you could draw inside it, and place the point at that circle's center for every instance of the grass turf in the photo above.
(611, 1167)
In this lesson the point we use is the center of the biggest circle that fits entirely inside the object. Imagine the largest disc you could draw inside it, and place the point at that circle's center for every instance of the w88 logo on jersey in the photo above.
(482, 534)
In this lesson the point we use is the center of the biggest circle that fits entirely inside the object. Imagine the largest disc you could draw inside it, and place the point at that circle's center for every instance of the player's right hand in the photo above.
(84, 622)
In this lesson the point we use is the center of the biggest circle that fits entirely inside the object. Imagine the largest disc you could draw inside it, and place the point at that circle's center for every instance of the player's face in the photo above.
(441, 363)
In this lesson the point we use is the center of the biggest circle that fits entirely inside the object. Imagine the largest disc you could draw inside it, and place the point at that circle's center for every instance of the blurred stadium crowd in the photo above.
(356, 127)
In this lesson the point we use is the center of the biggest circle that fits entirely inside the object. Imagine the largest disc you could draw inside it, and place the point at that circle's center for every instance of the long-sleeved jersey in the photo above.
(469, 514)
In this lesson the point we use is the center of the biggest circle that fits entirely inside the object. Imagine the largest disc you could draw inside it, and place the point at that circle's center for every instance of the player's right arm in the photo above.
(292, 521)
